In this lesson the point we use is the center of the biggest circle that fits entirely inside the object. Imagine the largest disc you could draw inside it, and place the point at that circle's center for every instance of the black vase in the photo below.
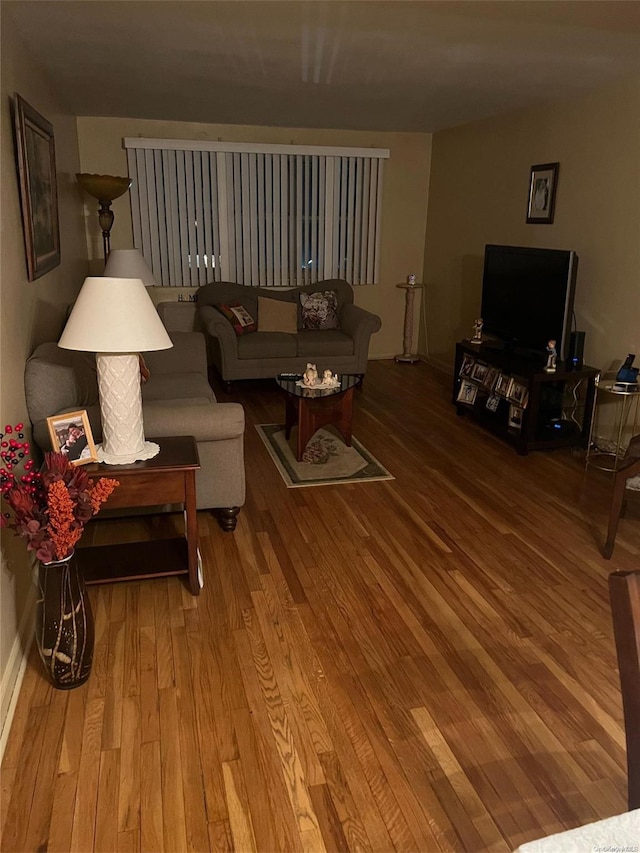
(64, 623)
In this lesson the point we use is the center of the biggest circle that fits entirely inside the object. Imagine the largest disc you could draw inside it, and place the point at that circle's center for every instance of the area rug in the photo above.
(327, 460)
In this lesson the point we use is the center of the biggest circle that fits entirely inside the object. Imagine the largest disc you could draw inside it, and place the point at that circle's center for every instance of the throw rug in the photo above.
(326, 461)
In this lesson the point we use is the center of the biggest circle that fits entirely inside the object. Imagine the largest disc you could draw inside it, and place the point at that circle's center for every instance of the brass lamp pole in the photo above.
(105, 188)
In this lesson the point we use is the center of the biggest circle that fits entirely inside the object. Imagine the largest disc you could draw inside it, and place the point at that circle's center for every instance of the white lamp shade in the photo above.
(129, 263)
(114, 315)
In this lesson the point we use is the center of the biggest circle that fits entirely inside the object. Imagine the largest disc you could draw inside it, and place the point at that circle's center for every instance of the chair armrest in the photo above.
(205, 421)
(187, 355)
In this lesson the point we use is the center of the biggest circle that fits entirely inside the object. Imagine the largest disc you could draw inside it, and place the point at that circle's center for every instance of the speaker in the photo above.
(576, 349)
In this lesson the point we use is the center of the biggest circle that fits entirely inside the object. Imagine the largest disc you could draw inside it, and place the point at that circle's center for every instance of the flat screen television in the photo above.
(527, 296)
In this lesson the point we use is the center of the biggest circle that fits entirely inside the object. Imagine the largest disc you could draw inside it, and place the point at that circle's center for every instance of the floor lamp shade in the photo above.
(105, 188)
(116, 319)
(129, 263)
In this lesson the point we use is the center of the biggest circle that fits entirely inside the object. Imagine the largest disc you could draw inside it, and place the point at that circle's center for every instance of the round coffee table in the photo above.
(312, 408)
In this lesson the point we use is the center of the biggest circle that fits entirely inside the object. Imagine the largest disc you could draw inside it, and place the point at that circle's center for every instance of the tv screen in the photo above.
(527, 296)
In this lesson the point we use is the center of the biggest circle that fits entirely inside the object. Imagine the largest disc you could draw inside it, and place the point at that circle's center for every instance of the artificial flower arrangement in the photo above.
(51, 506)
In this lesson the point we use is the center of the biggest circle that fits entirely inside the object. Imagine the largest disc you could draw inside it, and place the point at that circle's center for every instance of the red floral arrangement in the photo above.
(52, 506)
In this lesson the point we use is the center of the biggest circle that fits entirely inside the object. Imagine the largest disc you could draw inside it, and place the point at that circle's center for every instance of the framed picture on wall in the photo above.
(543, 183)
(38, 188)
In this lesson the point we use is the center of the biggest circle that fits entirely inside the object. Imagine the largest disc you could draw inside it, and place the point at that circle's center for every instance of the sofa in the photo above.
(262, 354)
(176, 400)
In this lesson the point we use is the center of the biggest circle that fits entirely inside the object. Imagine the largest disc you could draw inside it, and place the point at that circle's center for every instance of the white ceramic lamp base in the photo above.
(121, 410)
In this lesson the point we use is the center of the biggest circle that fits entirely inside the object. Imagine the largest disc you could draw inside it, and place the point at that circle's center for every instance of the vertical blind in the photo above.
(269, 215)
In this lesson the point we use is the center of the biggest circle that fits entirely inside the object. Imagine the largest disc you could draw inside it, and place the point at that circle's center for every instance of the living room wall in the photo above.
(405, 194)
(30, 311)
(478, 195)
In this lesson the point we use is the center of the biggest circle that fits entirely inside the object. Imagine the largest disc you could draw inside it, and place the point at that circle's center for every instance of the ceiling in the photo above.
(385, 65)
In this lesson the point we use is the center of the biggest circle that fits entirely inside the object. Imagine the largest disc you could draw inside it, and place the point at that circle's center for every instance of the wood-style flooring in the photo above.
(421, 664)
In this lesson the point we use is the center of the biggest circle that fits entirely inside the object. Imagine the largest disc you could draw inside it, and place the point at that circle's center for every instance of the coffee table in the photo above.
(168, 478)
(312, 408)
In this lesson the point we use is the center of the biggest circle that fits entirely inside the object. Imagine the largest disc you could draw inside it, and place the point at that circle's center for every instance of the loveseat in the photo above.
(176, 400)
(258, 354)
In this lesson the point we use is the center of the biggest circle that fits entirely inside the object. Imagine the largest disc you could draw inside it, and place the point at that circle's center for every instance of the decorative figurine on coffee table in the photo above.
(552, 357)
(310, 376)
(477, 331)
(329, 379)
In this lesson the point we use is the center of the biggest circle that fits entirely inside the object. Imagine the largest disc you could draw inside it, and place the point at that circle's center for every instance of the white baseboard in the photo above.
(15, 669)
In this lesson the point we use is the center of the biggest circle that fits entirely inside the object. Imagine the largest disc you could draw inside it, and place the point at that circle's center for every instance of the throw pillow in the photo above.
(320, 310)
(239, 317)
(145, 373)
(274, 315)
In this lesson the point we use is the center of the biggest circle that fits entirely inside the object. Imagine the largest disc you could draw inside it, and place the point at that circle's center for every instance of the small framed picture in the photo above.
(479, 371)
(503, 385)
(71, 435)
(519, 394)
(466, 368)
(515, 417)
(542, 193)
(492, 403)
(490, 378)
(468, 392)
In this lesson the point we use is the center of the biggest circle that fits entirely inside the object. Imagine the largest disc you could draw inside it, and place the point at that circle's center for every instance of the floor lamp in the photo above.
(116, 319)
(105, 188)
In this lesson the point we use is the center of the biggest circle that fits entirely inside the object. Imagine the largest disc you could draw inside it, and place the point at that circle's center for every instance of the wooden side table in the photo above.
(168, 478)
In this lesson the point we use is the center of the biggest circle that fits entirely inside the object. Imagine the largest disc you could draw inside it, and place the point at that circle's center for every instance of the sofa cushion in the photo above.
(241, 320)
(265, 345)
(57, 379)
(320, 310)
(276, 315)
(324, 343)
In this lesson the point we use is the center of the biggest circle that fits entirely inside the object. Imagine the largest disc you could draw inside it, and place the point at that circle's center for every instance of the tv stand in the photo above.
(509, 393)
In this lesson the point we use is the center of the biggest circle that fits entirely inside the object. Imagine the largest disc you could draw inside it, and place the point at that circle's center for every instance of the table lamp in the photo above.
(116, 319)
(129, 263)
(106, 188)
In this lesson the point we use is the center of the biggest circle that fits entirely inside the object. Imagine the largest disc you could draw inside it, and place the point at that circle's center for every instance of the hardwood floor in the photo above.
(421, 664)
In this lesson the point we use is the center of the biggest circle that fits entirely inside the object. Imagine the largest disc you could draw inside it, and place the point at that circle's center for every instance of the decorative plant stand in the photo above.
(408, 356)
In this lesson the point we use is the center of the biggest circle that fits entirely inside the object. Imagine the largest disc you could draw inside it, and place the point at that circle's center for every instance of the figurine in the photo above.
(477, 331)
(552, 357)
(328, 378)
(310, 376)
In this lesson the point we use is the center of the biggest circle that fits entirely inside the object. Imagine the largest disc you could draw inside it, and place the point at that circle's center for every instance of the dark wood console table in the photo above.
(559, 406)
(168, 478)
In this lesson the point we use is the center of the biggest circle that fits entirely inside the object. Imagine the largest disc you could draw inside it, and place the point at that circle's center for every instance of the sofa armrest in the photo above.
(187, 355)
(205, 421)
(219, 327)
(358, 323)
(178, 316)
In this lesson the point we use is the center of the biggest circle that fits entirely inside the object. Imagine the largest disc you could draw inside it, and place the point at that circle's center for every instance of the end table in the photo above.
(168, 478)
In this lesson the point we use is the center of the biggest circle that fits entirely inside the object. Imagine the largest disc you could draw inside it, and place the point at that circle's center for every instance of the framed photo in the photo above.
(503, 385)
(519, 394)
(490, 378)
(515, 417)
(468, 392)
(479, 372)
(38, 188)
(543, 183)
(71, 435)
(466, 368)
(492, 403)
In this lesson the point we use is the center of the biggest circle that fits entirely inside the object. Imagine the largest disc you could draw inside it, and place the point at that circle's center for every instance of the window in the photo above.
(270, 215)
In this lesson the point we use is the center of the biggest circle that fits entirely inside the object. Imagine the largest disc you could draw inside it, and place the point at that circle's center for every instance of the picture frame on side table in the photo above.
(466, 368)
(35, 148)
(490, 378)
(492, 403)
(479, 372)
(468, 392)
(515, 417)
(71, 435)
(543, 183)
(519, 394)
(503, 385)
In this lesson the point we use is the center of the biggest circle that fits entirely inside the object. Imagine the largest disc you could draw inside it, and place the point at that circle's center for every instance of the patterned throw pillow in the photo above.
(320, 310)
(239, 317)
